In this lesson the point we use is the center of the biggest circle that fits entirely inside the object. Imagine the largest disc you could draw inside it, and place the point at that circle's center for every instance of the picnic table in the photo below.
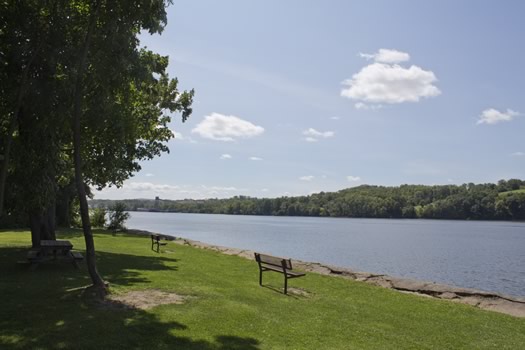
(51, 250)
(55, 247)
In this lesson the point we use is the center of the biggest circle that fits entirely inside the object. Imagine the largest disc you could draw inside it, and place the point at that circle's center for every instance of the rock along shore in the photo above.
(510, 305)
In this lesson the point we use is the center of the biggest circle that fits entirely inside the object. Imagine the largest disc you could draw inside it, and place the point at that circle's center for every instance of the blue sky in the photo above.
(297, 97)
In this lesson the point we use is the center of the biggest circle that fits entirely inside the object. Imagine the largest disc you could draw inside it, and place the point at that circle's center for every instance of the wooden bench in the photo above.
(280, 265)
(155, 240)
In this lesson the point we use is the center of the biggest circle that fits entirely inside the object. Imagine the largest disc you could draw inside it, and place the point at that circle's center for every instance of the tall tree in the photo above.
(90, 77)
(114, 85)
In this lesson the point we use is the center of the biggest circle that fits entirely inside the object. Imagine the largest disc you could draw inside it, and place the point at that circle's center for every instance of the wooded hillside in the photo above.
(502, 201)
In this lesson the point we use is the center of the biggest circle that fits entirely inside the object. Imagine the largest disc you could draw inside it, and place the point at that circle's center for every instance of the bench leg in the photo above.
(73, 260)
(153, 244)
(285, 284)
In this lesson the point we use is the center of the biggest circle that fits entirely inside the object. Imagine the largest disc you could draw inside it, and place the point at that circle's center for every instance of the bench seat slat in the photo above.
(295, 274)
(280, 269)
(271, 267)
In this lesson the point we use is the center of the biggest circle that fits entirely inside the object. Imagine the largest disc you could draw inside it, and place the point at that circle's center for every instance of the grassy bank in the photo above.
(225, 307)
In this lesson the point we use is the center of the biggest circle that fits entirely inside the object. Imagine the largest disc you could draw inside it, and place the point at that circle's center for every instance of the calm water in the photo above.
(483, 255)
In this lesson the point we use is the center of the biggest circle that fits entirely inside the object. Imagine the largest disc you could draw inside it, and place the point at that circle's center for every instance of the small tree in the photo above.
(117, 216)
(98, 217)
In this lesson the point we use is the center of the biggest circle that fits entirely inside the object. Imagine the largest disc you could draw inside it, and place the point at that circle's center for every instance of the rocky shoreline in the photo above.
(510, 305)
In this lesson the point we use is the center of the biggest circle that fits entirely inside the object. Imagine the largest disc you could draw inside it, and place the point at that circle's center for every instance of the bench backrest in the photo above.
(273, 261)
(155, 238)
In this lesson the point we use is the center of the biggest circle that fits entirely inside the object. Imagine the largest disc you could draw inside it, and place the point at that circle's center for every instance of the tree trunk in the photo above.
(5, 161)
(98, 282)
(65, 196)
(42, 225)
(48, 222)
(35, 225)
(12, 126)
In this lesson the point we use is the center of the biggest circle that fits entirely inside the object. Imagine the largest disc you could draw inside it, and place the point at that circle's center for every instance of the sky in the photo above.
(298, 97)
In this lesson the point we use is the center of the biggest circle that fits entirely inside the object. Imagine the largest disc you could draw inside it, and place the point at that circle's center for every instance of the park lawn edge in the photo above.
(225, 308)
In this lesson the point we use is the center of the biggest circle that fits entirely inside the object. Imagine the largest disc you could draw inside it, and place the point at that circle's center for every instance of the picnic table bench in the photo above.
(155, 240)
(276, 264)
(50, 250)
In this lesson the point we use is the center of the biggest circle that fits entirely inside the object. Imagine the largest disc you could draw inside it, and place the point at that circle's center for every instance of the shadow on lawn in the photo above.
(120, 268)
(47, 309)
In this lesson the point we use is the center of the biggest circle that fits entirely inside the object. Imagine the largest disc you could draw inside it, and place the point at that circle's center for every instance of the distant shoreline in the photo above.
(510, 305)
(504, 200)
(329, 217)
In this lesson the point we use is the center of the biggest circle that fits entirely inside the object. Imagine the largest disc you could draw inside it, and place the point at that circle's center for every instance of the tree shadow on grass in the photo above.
(292, 292)
(47, 309)
(122, 269)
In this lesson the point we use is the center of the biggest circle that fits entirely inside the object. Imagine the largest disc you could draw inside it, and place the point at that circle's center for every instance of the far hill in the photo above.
(502, 201)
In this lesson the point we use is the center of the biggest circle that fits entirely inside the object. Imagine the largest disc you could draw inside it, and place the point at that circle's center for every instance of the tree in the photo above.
(98, 217)
(130, 92)
(102, 104)
(117, 217)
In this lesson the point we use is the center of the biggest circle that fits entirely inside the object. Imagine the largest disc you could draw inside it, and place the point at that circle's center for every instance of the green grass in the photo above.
(45, 309)
(503, 194)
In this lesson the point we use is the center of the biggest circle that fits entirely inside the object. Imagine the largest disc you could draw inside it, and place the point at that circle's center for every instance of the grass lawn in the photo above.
(504, 194)
(226, 308)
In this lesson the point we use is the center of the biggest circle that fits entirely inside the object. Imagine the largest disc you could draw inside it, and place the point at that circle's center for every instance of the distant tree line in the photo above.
(502, 201)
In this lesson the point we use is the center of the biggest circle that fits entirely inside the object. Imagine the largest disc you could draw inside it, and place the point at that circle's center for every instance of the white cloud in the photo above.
(493, 116)
(353, 178)
(150, 190)
(335, 118)
(177, 135)
(148, 186)
(307, 178)
(518, 154)
(313, 135)
(387, 56)
(364, 106)
(221, 127)
(149, 175)
(221, 188)
(255, 158)
(385, 81)
(264, 190)
(225, 156)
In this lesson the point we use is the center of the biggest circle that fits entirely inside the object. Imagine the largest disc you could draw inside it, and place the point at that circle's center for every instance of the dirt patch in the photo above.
(298, 292)
(144, 299)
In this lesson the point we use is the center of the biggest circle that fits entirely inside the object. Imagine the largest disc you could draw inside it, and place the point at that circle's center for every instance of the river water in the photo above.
(483, 255)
